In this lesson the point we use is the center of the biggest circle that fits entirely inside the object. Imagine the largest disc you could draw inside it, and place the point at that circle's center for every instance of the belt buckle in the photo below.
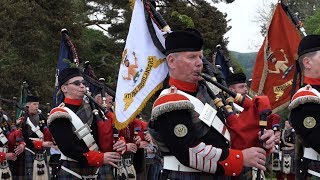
(90, 177)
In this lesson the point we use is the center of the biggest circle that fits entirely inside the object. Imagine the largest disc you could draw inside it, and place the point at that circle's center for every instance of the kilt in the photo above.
(106, 172)
(178, 175)
(22, 168)
(29, 158)
(54, 163)
(75, 167)
(17, 167)
(153, 170)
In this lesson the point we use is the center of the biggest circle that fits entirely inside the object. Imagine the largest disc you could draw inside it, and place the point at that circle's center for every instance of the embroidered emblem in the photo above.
(180, 130)
(309, 122)
(132, 73)
(153, 63)
(280, 90)
(278, 64)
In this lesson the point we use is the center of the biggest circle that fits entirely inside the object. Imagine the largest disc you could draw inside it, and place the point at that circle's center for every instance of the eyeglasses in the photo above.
(77, 82)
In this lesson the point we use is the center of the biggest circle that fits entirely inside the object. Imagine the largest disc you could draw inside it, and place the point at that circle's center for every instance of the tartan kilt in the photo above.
(178, 175)
(153, 171)
(75, 167)
(17, 167)
(106, 172)
(22, 168)
(29, 158)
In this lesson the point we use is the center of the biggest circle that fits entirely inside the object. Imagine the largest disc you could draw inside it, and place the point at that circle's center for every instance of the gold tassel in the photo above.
(121, 125)
(131, 2)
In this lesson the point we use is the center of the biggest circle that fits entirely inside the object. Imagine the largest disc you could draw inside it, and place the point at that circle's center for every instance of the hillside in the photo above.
(245, 60)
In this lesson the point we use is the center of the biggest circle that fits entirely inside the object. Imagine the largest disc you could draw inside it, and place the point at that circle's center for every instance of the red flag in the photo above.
(275, 64)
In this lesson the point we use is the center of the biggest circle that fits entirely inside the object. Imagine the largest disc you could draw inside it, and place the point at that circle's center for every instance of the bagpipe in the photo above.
(221, 96)
(15, 104)
(224, 99)
(226, 106)
(125, 170)
(152, 15)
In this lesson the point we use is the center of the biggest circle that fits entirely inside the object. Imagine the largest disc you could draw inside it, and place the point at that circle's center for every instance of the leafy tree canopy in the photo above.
(312, 23)
(30, 36)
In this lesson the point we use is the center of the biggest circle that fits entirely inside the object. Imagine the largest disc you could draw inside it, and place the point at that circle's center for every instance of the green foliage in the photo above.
(183, 18)
(312, 24)
(30, 36)
(245, 62)
(304, 8)
(30, 43)
(207, 19)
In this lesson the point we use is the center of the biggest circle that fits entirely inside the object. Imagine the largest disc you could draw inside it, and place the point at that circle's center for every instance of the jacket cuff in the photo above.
(94, 158)
(37, 145)
(233, 164)
(2, 156)
(22, 142)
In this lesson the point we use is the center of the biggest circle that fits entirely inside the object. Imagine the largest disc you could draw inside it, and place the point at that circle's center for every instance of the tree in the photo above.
(30, 36)
(29, 43)
(312, 23)
(303, 9)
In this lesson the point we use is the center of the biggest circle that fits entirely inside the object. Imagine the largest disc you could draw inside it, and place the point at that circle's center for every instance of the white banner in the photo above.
(142, 69)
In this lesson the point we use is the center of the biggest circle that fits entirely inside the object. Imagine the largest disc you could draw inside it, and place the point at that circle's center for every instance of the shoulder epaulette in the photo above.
(58, 112)
(304, 95)
(170, 100)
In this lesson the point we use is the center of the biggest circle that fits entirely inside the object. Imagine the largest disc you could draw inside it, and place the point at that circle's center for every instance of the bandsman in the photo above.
(304, 116)
(194, 148)
(75, 130)
(36, 137)
(245, 129)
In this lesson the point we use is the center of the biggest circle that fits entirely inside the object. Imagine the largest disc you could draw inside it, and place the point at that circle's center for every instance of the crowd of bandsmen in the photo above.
(29, 151)
(142, 159)
(187, 137)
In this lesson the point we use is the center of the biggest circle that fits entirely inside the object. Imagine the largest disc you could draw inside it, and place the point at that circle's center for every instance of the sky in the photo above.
(244, 35)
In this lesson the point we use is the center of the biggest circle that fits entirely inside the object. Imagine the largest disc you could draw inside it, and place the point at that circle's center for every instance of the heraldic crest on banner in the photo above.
(131, 71)
(133, 74)
(278, 63)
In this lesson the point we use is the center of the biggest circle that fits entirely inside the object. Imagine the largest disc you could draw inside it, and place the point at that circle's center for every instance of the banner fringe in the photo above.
(122, 125)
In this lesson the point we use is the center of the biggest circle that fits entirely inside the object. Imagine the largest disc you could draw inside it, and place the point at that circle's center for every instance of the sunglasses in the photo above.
(77, 82)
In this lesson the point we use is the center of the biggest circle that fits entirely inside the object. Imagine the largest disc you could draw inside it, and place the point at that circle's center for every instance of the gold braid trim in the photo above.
(265, 60)
(131, 3)
(121, 125)
(265, 68)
